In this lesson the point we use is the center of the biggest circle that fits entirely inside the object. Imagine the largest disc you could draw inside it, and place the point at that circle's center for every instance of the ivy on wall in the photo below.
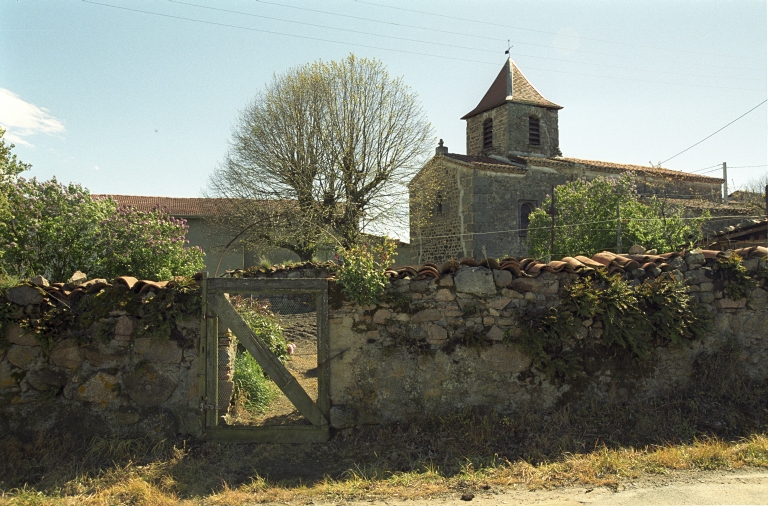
(609, 312)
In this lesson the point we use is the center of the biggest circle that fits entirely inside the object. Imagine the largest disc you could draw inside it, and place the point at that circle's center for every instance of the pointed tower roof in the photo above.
(511, 86)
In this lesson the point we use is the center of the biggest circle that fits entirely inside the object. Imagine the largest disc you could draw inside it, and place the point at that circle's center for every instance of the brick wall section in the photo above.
(411, 363)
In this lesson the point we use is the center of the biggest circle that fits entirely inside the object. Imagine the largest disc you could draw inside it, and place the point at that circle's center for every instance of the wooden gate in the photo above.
(217, 310)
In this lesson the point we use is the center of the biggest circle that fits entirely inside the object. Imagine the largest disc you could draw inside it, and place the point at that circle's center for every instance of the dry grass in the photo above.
(168, 478)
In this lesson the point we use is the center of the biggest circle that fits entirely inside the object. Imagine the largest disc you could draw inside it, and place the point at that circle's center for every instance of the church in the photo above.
(513, 160)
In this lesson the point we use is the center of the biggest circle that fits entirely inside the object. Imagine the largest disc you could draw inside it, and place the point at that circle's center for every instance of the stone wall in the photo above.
(448, 343)
(95, 358)
(510, 131)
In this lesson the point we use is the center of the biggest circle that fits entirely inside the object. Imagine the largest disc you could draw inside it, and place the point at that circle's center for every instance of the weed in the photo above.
(253, 391)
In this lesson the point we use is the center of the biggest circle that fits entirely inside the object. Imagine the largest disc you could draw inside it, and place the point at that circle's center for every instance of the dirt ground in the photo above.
(736, 487)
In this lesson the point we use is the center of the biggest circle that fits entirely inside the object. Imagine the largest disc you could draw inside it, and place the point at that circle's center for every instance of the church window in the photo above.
(439, 205)
(534, 138)
(525, 217)
(487, 134)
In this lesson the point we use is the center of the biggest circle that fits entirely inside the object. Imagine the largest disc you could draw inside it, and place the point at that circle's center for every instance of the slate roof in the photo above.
(176, 206)
(510, 86)
(597, 165)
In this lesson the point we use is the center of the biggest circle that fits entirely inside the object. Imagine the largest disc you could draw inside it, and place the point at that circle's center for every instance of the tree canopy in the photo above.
(588, 214)
(322, 155)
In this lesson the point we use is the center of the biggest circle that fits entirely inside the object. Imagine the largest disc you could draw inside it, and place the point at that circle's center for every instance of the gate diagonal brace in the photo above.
(266, 359)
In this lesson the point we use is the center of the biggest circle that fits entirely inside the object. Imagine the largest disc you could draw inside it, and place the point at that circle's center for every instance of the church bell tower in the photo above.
(513, 119)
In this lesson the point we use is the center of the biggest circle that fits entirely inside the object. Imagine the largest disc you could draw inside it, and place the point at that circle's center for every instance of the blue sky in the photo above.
(134, 103)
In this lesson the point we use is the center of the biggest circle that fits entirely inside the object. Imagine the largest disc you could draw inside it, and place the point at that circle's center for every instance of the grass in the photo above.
(253, 391)
(139, 472)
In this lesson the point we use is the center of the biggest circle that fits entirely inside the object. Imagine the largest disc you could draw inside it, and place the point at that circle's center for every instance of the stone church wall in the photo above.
(444, 345)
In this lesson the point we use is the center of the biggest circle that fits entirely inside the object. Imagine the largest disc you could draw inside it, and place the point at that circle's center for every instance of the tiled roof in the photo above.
(176, 206)
(488, 163)
(511, 86)
(624, 264)
(562, 162)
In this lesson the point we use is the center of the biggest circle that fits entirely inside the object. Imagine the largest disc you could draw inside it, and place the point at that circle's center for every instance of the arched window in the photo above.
(439, 204)
(487, 134)
(534, 137)
(525, 218)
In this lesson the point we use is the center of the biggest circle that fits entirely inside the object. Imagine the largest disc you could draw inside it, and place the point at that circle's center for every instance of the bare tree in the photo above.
(322, 155)
(752, 194)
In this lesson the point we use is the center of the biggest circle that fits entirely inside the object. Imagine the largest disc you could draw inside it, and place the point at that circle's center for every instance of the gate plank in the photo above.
(266, 359)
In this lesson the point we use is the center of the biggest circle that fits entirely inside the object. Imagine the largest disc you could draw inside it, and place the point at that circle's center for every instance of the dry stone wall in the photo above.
(448, 342)
(97, 358)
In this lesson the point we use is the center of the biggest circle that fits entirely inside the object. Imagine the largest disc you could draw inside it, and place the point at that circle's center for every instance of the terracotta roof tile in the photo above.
(597, 165)
(176, 206)
(513, 87)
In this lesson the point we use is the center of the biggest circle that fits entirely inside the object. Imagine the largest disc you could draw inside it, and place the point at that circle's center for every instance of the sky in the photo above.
(143, 103)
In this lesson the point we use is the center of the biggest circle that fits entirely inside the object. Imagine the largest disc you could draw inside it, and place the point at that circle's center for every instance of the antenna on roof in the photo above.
(509, 46)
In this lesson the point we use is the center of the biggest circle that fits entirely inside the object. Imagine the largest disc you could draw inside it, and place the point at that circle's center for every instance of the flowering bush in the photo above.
(147, 245)
(54, 229)
(586, 220)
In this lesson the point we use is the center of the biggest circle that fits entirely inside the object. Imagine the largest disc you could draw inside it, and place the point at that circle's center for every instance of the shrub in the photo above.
(54, 229)
(263, 323)
(362, 273)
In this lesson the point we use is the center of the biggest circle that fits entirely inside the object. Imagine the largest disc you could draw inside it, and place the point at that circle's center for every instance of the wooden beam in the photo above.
(266, 359)
(211, 365)
(269, 434)
(323, 355)
(266, 286)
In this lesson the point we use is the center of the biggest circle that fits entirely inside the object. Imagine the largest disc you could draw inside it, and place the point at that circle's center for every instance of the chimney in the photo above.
(440, 149)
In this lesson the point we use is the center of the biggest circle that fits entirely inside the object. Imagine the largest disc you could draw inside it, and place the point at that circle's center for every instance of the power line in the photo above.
(702, 171)
(747, 166)
(544, 31)
(368, 46)
(707, 137)
(405, 39)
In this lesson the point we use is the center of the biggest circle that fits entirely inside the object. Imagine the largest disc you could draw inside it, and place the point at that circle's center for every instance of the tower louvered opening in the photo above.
(487, 134)
(534, 137)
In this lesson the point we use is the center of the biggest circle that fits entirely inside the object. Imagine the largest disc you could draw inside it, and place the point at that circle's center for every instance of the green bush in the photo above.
(263, 323)
(54, 229)
(362, 273)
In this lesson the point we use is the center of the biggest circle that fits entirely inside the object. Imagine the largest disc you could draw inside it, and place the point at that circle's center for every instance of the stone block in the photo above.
(381, 316)
(164, 351)
(758, 299)
(40, 281)
(127, 416)
(436, 334)
(695, 257)
(149, 386)
(124, 327)
(495, 334)
(17, 335)
(101, 388)
(512, 294)
(445, 280)
(25, 295)
(420, 286)
(475, 280)
(730, 303)
(538, 285)
(46, 379)
(427, 315)
(444, 295)
(502, 278)
(499, 303)
(342, 417)
(67, 354)
(696, 276)
(707, 297)
(530, 296)
(7, 378)
(707, 287)
(23, 357)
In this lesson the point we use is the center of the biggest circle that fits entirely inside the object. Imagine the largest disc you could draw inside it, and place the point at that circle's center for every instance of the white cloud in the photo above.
(96, 167)
(22, 119)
